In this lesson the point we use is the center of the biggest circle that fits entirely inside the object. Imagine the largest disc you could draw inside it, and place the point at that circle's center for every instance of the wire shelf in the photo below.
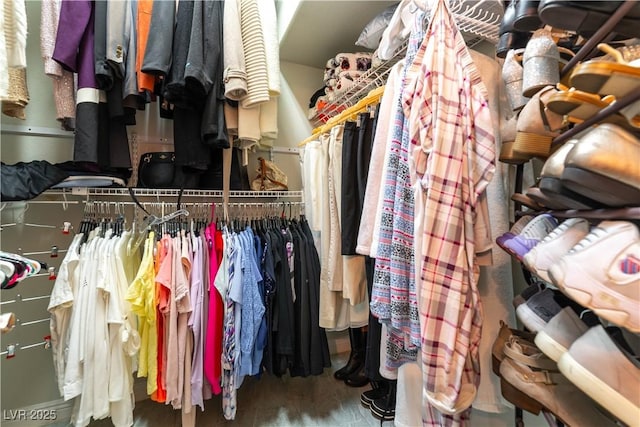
(160, 193)
(477, 20)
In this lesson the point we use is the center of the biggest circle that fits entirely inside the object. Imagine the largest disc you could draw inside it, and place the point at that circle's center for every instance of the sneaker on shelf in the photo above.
(562, 330)
(606, 373)
(555, 245)
(542, 307)
(602, 272)
(532, 234)
(515, 229)
(527, 293)
(525, 370)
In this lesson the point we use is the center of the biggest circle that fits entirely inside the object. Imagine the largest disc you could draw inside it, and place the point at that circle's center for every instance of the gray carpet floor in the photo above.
(294, 402)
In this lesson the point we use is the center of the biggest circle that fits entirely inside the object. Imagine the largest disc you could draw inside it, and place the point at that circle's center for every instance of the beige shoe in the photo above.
(599, 368)
(537, 126)
(617, 73)
(529, 371)
(604, 166)
(551, 182)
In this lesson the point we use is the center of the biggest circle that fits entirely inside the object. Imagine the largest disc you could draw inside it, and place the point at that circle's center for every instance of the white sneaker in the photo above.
(563, 329)
(532, 234)
(555, 245)
(602, 272)
(597, 366)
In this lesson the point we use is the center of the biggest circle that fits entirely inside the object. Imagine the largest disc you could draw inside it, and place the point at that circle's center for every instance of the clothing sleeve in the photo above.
(235, 73)
(157, 55)
(235, 285)
(74, 18)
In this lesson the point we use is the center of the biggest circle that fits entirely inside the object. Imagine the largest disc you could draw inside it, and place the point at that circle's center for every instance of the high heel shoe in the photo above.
(537, 126)
(540, 63)
(512, 76)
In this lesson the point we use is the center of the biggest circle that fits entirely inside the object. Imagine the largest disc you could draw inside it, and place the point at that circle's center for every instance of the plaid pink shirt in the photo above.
(452, 156)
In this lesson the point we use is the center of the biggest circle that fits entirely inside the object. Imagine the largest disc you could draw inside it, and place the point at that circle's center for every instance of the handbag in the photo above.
(157, 170)
(270, 177)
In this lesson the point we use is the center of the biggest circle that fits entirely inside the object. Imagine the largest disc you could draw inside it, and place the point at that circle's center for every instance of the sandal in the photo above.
(579, 106)
(504, 335)
(527, 370)
(617, 73)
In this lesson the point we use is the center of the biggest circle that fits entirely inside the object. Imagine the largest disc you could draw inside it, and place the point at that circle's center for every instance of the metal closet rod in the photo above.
(98, 203)
(150, 192)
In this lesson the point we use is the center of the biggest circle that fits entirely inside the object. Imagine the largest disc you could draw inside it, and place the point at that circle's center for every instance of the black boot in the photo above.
(358, 377)
(356, 358)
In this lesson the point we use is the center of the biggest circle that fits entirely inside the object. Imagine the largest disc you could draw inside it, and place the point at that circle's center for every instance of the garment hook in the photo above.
(65, 202)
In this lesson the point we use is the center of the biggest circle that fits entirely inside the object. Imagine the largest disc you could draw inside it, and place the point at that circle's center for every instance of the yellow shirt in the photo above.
(142, 297)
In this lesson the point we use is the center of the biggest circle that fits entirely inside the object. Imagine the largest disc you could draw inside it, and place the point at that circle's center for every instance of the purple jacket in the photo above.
(74, 41)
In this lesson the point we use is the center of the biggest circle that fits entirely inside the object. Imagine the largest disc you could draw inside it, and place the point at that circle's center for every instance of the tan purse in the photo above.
(270, 177)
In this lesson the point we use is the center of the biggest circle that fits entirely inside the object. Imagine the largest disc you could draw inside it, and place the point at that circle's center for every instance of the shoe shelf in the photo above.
(566, 367)
(630, 213)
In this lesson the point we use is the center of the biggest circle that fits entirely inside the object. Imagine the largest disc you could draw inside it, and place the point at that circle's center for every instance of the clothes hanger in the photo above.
(351, 113)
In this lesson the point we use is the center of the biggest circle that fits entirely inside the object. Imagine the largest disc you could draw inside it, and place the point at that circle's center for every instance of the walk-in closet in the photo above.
(320, 213)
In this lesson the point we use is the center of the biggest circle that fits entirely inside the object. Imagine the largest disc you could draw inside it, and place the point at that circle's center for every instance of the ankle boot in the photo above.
(356, 358)
(357, 378)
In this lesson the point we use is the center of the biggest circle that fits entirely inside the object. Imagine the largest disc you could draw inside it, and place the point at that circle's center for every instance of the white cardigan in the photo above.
(235, 74)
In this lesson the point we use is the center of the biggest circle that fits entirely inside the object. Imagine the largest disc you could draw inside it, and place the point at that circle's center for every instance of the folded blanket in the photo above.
(330, 64)
(359, 61)
(331, 94)
(329, 74)
(344, 80)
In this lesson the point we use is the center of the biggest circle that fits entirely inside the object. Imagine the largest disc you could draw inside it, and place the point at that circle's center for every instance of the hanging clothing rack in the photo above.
(157, 193)
(477, 20)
